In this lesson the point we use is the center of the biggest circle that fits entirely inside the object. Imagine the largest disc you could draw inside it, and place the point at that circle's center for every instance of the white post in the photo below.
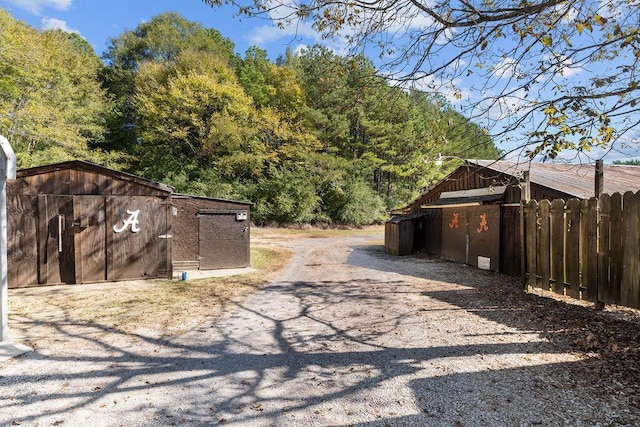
(7, 171)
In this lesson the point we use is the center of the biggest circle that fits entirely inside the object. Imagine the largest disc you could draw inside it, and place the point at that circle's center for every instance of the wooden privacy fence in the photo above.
(587, 249)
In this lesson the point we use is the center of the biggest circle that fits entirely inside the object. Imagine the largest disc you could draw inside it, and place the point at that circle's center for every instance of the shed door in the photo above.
(22, 244)
(484, 236)
(455, 235)
(223, 240)
(57, 247)
(138, 237)
(79, 242)
(471, 235)
(90, 239)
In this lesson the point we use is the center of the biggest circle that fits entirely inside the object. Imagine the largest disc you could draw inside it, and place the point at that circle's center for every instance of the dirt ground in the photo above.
(343, 334)
(160, 308)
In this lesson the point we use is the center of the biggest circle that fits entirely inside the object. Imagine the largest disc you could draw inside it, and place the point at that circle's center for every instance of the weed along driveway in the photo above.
(343, 335)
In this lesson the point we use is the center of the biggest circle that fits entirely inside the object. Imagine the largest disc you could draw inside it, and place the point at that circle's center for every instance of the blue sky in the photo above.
(98, 21)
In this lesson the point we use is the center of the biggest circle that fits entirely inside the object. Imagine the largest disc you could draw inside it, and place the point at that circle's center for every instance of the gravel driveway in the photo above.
(346, 336)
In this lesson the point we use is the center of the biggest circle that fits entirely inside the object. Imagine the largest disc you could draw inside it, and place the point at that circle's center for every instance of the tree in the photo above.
(51, 103)
(386, 133)
(192, 111)
(632, 162)
(561, 72)
(160, 40)
(253, 73)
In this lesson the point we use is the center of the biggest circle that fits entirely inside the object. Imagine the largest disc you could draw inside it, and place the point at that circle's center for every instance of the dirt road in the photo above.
(346, 336)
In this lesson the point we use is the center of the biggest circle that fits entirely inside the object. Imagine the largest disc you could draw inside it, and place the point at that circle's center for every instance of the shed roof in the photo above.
(396, 219)
(566, 179)
(574, 179)
(92, 167)
(192, 196)
(476, 196)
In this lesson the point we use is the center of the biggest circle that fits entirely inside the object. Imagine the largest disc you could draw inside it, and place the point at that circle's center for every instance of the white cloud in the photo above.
(614, 9)
(270, 33)
(497, 107)
(300, 48)
(506, 68)
(567, 11)
(452, 90)
(561, 65)
(36, 6)
(57, 24)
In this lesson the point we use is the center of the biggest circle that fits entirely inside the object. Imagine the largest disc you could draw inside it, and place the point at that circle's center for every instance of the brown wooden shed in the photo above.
(474, 214)
(78, 222)
(210, 233)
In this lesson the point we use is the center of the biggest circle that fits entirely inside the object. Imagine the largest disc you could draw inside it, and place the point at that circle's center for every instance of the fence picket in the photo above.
(543, 243)
(630, 286)
(589, 249)
(557, 245)
(531, 244)
(572, 248)
(605, 293)
(616, 245)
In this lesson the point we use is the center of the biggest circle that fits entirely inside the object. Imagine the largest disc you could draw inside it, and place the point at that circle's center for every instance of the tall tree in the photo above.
(564, 71)
(192, 111)
(162, 40)
(51, 103)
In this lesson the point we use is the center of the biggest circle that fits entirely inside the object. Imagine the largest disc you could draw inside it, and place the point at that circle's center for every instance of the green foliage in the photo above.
(285, 198)
(353, 202)
(632, 162)
(315, 137)
(51, 103)
(161, 40)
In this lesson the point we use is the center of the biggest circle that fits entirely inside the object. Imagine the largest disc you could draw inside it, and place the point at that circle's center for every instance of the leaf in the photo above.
(600, 20)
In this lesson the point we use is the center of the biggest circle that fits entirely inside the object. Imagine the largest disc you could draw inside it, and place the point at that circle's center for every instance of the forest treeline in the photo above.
(311, 137)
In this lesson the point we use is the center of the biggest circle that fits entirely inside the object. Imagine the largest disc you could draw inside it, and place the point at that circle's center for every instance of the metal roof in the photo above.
(575, 179)
(215, 199)
(475, 196)
(395, 219)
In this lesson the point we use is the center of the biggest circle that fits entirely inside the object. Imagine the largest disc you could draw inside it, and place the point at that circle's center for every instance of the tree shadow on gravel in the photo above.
(610, 338)
(335, 357)
(315, 358)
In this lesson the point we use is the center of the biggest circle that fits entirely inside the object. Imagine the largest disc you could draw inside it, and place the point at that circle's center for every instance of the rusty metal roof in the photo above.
(575, 179)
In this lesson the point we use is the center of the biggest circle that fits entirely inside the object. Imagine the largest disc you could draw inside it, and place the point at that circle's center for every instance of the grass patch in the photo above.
(166, 307)
(284, 233)
(267, 260)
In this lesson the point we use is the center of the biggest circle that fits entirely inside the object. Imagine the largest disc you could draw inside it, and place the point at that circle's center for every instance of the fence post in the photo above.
(557, 245)
(572, 247)
(604, 236)
(7, 171)
(525, 194)
(599, 179)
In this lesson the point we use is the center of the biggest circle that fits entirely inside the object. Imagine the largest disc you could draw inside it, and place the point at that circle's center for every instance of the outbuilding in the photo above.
(78, 222)
(473, 215)
(210, 233)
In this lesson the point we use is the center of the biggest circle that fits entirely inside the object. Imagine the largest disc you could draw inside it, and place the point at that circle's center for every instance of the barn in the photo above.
(210, 233)
(78, 222)
(473, 215)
